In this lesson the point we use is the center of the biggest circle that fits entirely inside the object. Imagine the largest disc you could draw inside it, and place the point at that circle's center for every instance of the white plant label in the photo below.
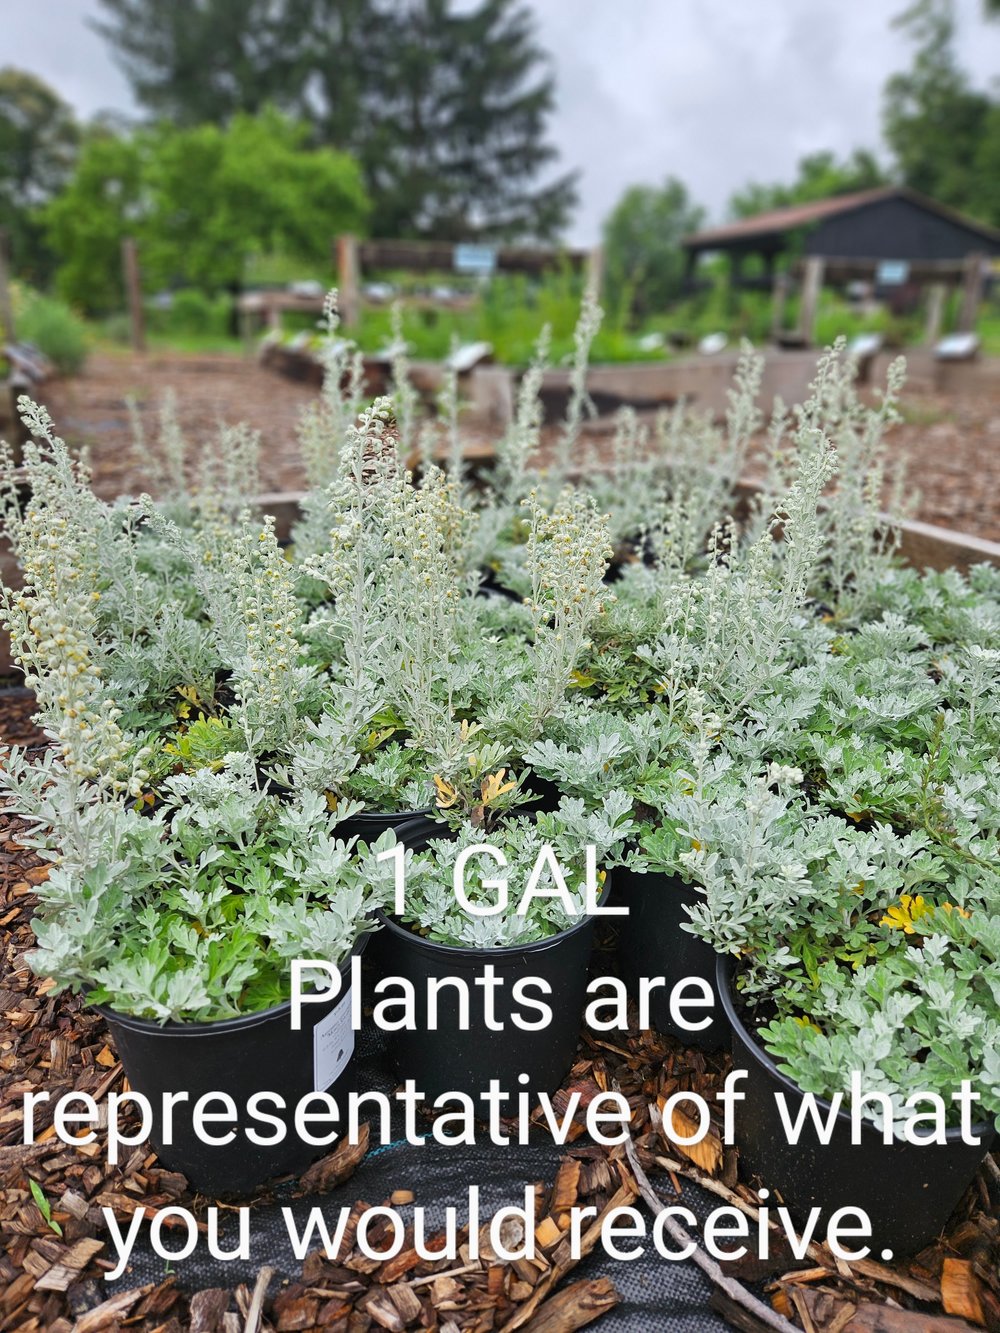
(333, 1043)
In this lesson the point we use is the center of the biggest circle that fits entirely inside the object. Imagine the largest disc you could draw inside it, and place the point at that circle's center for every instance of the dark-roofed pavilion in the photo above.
(862, 235)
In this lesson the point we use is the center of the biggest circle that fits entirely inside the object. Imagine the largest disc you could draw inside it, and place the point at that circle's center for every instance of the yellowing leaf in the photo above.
(493, 786)
(447, 796)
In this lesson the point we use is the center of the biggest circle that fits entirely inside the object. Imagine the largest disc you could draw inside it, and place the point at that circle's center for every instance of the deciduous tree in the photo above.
(819, 175)
(200, 201)
(445, 107)
(644, 261)
(38, 143)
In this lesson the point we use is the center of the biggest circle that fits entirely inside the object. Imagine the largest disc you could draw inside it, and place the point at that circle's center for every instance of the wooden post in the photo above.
(133, 291)
(779, 294)
(348, 281)
(972, 292)
(594, 275)
(936, 297)
(812, 285)
(274, 321)
(6, 306)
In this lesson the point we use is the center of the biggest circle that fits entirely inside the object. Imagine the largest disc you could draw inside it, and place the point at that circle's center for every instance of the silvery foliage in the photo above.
(860, 512)
(680, 485)
(431, 904)
(845, 839)
(322, 429)
(221, 478)
(351, 562)
(194, 912)
(148, 624)
(65, 540)
(921, 1020)
(566, 556)
(580, 405)
(512, 477)
(248, 591)
(588, 750)
(424, 587)
(726, 631)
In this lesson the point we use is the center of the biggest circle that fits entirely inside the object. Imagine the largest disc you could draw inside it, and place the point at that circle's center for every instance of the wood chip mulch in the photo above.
(948, 440)
(51, 1271)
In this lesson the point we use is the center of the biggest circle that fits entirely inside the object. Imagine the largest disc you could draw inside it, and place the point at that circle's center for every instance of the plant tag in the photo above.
(333, 1043)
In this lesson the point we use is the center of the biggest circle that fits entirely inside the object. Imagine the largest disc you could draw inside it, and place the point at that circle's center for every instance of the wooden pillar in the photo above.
(936, 297)
(812, 285)
(779, 295)
(133, 292)
(972, 292)
(274, 320)
(6, 306)
(594, 275)
(348, 281)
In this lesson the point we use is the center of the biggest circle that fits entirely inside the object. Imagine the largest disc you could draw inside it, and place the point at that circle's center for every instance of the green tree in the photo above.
(644, 262)
(934, 121)
(194, 61)
(86, 222)
(200, 201)
(458, 137)
(445, 107)
(38, 145)
(818, 176)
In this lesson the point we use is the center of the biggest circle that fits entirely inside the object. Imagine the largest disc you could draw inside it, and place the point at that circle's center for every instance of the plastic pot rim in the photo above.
(476, 953)
(377, 816)
(723, 978)
(222, 1026)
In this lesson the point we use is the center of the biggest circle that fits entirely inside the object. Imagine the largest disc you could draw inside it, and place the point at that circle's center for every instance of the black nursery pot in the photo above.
(907, 1190)
(652, 943)
(490, 586)
(451, 1060)
(371, 824)
(253, 1053)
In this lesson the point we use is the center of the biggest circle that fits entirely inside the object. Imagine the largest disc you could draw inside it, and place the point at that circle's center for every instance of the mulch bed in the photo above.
(53, 1283)
(949, 441)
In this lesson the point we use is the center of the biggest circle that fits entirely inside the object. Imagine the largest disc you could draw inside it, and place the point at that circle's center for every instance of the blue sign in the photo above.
(892, 273)
(475, 259)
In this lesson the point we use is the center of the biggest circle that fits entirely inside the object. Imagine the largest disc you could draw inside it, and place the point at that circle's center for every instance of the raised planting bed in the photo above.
(590, 678)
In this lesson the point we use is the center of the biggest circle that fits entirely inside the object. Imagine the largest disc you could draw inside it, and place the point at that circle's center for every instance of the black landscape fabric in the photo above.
(657, 1294)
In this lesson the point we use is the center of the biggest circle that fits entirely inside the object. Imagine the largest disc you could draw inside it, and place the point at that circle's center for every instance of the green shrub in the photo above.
(191, 314)
(55, 330)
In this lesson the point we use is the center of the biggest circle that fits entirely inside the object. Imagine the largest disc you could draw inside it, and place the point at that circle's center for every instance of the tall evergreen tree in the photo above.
(196, 61)
(446, 110)
(459, 138)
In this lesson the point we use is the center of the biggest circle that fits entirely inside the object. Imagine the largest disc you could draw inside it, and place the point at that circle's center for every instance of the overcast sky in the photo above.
(716, 92)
